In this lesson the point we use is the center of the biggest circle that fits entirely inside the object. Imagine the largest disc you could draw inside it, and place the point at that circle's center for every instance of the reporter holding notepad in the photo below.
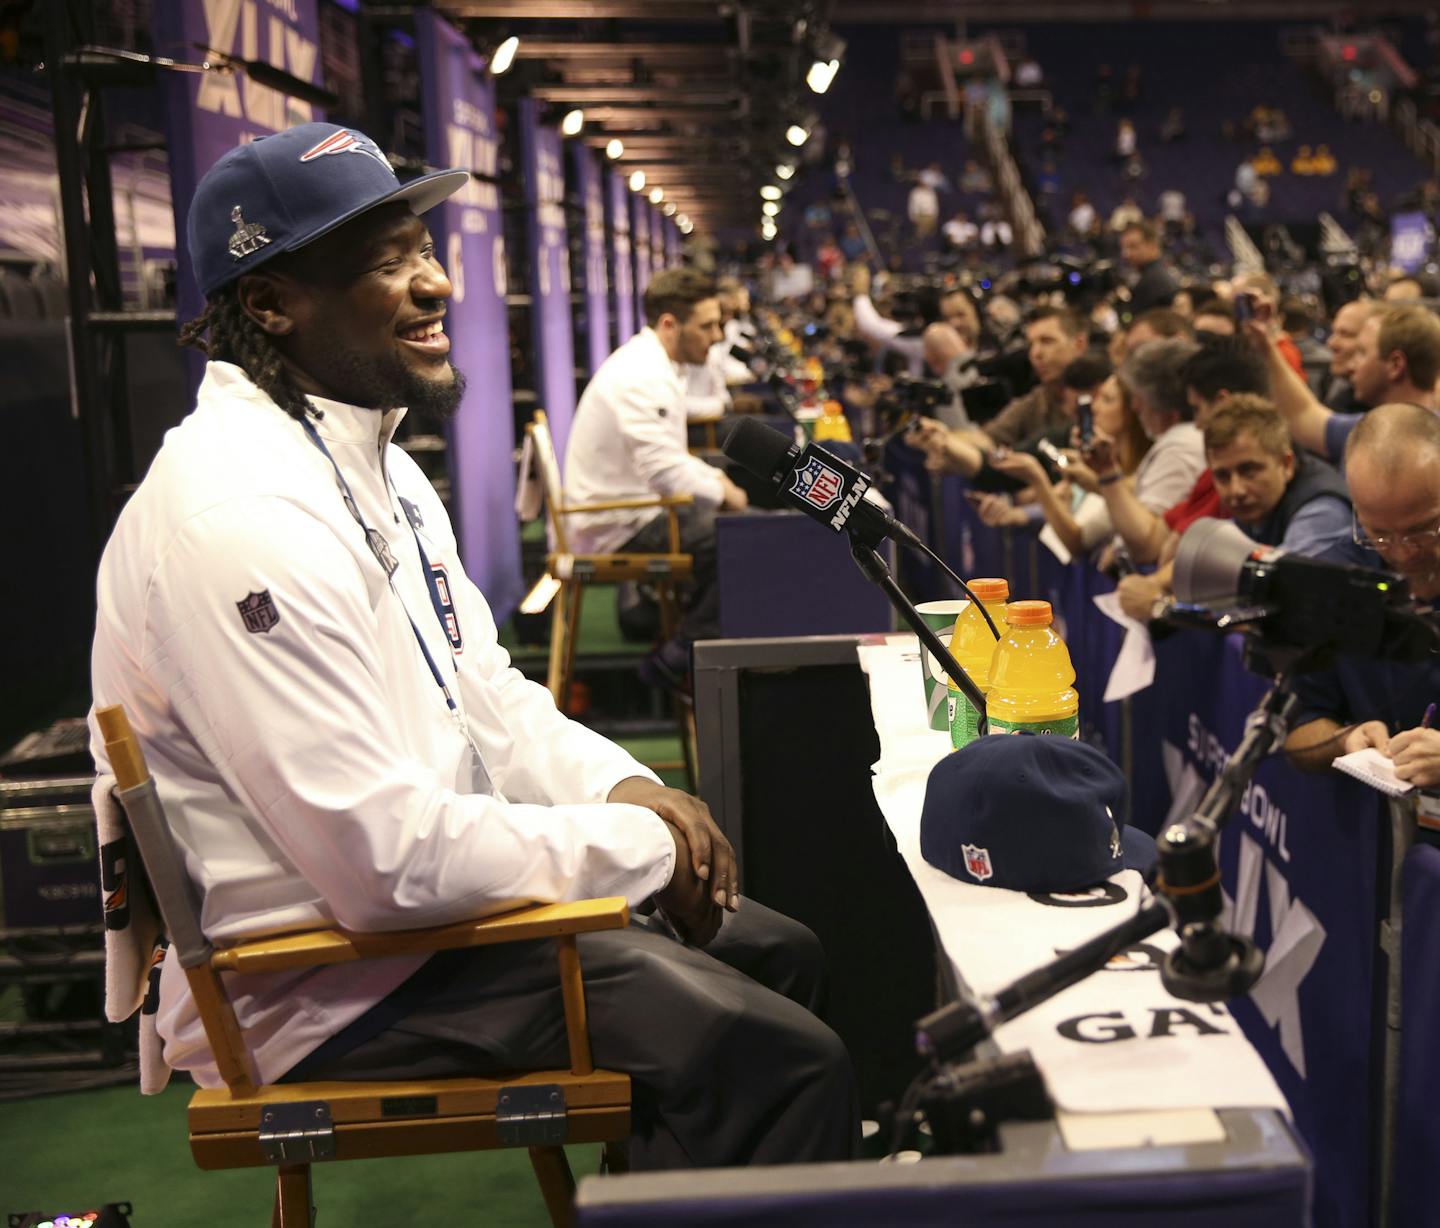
(1393, 467)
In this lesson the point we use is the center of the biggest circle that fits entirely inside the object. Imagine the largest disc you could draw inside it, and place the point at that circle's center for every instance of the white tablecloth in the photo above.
(1117, 1041)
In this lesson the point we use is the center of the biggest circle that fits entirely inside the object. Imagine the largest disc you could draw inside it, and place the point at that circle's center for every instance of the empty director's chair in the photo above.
(567, 574)
(247, 1124)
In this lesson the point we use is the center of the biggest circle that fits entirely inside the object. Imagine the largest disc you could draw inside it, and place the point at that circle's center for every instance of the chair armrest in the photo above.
(705, 419)
(334, 946)
(625, 505)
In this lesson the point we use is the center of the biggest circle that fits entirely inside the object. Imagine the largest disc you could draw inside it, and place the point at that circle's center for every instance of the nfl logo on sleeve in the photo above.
(258, 612)
(977, 861)
(818, 484)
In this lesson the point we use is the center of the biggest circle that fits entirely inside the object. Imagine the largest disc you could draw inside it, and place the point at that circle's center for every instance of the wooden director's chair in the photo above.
(567, 575)
(709, 430)
(247, 1124)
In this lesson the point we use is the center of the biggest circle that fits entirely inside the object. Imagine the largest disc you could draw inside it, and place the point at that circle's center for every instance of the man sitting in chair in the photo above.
(628, 441)
(339, 739)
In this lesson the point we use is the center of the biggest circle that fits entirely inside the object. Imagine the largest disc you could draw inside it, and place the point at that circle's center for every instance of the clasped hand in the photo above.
(706, 879)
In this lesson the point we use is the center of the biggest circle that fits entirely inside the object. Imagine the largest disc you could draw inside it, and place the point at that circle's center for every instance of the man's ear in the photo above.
(271, 300)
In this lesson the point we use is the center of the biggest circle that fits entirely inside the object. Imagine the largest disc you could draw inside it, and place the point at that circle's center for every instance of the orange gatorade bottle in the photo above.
(972, 644)
(1032, 683)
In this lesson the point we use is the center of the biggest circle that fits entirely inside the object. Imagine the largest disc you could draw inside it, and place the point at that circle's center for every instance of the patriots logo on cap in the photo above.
(818, 484)
(248, 237)
(977, 862)
(343, 142)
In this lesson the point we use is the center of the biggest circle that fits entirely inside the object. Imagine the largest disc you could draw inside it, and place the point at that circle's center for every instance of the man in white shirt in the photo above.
(628, 441)
(339, 739)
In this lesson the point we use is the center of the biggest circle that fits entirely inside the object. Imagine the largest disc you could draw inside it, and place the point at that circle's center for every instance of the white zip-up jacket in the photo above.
(628, 441)
(309, 766)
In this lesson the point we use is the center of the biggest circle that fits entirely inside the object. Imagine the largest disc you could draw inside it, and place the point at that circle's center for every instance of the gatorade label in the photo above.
(964, 720)
(1065, 727)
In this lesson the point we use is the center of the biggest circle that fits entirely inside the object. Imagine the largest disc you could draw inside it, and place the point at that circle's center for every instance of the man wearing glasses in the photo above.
(1392, 461)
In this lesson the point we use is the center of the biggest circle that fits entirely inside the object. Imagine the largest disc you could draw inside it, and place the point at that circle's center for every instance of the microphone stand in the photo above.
(875, 569)
(1210, 965)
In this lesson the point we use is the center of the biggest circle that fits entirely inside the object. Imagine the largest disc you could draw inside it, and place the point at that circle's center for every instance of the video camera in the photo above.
(1300, 613)
(918, 397)
(1082, 283)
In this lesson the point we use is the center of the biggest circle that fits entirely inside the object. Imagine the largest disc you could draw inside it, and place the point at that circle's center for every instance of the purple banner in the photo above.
(208, 114)
(551, 330)
(672, 243)
(597, 282)
(640, 226)
(622, 269)
(460, 131)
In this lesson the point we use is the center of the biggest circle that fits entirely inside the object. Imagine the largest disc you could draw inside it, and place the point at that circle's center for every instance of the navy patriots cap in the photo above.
(1030, 813)
(283, 191)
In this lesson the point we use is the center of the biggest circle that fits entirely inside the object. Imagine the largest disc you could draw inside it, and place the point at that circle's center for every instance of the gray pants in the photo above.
(730, 1066)
(700, 619)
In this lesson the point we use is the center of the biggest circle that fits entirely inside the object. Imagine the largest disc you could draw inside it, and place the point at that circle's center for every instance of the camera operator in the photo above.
(954, 307)
(1392, 463)
(1055, 336)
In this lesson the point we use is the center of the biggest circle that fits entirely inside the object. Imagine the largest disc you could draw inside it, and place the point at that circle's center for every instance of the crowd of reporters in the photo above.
(1108, 415)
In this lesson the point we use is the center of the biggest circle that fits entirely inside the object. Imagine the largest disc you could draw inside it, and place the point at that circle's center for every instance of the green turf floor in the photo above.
(71, 1152)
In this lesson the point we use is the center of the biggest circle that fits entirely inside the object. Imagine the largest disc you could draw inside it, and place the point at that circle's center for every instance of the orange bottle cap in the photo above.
(1028, 614)
(990, 590)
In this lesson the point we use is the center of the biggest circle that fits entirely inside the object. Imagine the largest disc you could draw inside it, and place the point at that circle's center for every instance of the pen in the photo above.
(1428, 718)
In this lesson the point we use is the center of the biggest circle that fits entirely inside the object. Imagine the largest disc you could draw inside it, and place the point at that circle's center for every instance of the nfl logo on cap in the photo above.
(977, 862)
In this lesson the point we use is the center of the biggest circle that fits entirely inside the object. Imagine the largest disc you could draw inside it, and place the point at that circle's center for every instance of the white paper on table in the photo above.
(1134, 668)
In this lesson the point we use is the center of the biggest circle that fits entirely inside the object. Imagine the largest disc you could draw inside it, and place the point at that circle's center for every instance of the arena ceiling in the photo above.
(701, 92)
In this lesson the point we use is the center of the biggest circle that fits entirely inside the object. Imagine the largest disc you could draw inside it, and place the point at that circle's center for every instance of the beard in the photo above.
(386, 381)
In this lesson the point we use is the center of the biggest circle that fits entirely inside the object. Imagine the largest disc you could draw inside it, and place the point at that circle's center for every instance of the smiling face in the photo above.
(358, 315)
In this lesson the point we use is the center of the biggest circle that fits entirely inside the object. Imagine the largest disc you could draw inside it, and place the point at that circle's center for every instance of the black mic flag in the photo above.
(819, 483)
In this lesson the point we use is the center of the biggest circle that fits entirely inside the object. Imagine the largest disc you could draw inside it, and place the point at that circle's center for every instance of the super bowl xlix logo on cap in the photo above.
(343, 142)
(248, 237)
(977, 862)
(818, 484)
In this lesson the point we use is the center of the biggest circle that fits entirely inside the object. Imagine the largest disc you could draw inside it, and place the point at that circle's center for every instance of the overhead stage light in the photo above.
(796, 135)
(669, 209)
(614, 148)
(770, 208)
(770, 192)
(784, 170)
(573, 122)
(657, 194)
(637, 181)
(504, 56)
(821, 74)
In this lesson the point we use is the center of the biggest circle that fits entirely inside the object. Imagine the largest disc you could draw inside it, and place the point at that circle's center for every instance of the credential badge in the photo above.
(249, 237)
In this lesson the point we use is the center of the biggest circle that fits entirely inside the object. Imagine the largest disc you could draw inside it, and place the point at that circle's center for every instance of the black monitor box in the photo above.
(786, 741)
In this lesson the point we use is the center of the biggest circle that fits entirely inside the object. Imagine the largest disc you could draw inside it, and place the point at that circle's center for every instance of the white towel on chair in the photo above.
(135, 942)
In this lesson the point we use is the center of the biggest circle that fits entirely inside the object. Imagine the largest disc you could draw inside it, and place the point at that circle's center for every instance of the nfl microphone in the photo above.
(817, 482)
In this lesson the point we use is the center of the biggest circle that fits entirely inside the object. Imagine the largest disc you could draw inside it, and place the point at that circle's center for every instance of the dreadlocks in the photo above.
(235, 337)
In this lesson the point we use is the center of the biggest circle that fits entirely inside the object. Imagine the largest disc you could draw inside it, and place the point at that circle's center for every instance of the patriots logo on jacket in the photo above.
(345, 142)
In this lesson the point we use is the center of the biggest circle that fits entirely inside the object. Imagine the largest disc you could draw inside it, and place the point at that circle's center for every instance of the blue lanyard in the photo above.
(380, 548)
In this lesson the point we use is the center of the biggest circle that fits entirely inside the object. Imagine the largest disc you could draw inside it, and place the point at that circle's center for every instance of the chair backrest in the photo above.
(547, 466)
(160, 869)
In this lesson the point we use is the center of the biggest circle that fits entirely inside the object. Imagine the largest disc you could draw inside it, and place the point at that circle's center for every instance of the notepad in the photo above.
(1375, 769)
